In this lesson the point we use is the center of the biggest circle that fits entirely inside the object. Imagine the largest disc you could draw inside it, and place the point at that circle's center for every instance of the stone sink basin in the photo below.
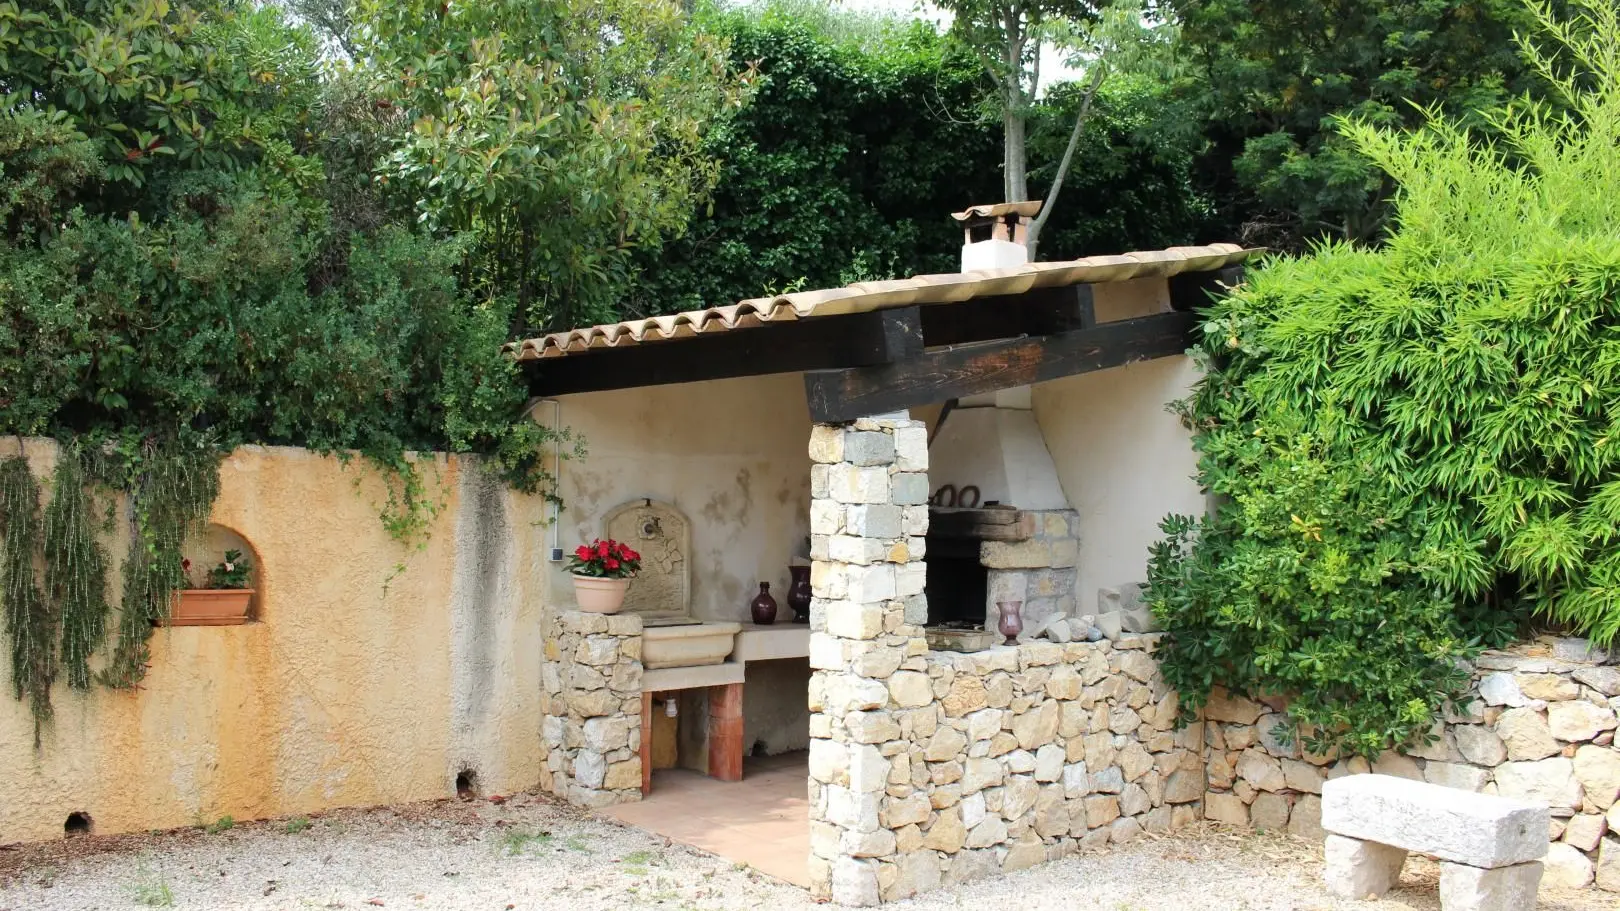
(687, 645)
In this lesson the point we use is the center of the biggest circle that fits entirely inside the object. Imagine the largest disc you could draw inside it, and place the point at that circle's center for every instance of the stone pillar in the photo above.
(868, 518)
(590, 735)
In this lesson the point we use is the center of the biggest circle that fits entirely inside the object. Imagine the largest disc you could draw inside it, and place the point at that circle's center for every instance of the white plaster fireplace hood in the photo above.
(993, 443)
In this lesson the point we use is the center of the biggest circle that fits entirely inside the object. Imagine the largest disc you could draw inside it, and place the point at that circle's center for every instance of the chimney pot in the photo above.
(1002, 231)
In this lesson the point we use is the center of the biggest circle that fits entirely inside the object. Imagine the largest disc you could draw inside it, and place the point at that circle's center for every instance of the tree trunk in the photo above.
(1015, 113)
(1016, 177)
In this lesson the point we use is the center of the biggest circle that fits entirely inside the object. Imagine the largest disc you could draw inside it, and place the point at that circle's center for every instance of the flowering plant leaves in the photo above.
(604, 559)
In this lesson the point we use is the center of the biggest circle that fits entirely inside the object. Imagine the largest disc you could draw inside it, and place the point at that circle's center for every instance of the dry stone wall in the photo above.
(1006, 758)
(590, 734)
(935, 767)
(1540, 727)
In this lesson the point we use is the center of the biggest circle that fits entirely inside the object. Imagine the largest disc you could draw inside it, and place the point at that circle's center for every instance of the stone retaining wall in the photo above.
(590, 734)
(1540, 727)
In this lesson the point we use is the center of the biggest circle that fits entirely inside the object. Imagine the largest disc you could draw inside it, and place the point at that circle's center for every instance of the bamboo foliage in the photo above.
(1456, 397)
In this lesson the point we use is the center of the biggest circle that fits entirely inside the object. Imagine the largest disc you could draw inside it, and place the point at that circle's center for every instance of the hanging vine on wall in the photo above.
(75, 567)
(171, 488)
(30, 619)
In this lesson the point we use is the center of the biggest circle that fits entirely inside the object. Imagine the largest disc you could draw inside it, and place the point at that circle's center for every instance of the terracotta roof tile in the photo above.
(863, 297)
(1027, 209)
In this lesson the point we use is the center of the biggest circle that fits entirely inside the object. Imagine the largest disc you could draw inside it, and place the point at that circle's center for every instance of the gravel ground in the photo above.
(529, 853)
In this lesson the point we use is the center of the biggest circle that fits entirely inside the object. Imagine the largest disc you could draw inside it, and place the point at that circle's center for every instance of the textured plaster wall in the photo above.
(730, 455)
(360, 682)
(1124, 461)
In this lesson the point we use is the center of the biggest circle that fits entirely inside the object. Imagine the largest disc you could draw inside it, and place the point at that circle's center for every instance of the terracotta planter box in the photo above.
(210, 607)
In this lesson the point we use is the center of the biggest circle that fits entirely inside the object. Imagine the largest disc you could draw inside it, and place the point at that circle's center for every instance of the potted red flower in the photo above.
(224, 601)
(602, 571)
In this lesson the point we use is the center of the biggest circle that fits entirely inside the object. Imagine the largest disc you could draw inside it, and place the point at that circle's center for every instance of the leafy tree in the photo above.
(1008, 38)
(863, 134)
(561, 134)
(845, 164)
(1412, 446)
(1131, 186)
(163, 88)
(1264, 81)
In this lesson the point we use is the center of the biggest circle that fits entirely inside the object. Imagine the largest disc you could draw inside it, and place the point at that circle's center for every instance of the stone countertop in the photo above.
(772, 642)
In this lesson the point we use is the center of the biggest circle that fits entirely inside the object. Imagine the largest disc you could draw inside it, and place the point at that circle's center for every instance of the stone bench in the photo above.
(1490, 848)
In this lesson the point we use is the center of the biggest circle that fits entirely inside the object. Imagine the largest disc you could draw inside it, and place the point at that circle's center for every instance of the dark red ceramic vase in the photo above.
(799, 593)
(763, 607)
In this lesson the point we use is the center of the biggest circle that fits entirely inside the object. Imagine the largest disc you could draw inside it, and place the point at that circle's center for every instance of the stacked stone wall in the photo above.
(936, 767)
(994, 761)
(590, 735)
(1539, 727)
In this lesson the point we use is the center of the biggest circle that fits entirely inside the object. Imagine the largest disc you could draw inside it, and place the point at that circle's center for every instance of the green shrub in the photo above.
(1413, 449)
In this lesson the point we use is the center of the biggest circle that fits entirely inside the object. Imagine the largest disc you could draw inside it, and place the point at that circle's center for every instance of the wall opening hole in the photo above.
(467, 784)
(759, 748)
(77, 824)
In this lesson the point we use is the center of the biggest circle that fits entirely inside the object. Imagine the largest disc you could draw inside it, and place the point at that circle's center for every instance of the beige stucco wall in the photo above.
(1123, 459)
(732, 456)
(373, 674)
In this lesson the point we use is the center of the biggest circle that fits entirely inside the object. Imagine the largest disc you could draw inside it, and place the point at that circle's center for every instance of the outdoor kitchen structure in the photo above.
(943, 451)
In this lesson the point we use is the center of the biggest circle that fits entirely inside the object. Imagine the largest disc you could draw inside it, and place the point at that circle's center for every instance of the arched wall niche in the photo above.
(207, 550)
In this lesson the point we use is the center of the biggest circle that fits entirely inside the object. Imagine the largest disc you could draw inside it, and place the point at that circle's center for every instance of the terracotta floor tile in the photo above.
(762, 821)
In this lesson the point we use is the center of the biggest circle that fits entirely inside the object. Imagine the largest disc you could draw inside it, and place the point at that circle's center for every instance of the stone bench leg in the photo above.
(1512, 888)
(1361, 869)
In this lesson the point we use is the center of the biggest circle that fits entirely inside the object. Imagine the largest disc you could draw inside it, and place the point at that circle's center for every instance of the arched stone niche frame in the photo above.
(205, 551)
(662, 534)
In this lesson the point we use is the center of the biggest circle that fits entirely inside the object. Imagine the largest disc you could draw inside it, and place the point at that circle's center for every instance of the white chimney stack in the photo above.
(994, 237)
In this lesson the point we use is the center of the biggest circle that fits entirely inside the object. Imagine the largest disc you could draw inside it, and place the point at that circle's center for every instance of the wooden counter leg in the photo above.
(726, 732)
(646, 743)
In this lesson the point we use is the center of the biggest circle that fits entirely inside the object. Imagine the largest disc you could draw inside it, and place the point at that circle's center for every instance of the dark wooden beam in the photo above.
(853, 340)
(1195, 290)
(947, 373)
(1040, 312)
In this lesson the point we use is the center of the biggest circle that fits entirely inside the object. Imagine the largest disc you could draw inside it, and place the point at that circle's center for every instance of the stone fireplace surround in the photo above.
(1024, 555)
(935, 767)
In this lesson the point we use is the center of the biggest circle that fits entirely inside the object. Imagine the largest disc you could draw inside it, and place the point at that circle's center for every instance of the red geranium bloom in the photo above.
(611, 563)
(601, 548)
(583, 553)
(631, 555)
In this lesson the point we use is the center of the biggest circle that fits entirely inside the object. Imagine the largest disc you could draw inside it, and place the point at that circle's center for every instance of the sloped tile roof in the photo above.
(863, 297)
